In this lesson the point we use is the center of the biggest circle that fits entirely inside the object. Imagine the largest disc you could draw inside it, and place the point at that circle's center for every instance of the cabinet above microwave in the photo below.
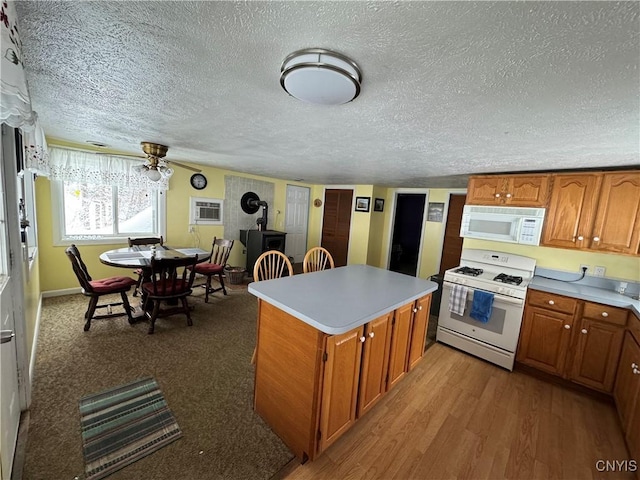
(509, 190)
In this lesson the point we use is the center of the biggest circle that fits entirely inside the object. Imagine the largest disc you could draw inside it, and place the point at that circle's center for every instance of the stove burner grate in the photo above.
(474, 272)
(504, 278)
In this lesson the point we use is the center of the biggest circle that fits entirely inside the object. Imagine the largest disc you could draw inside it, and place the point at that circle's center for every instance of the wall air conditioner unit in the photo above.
(205, 211)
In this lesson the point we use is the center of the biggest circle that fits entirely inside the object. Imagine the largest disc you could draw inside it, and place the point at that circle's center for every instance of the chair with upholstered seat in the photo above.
(270, 265)
(317, 259)
(143, 242)
(171, 279)
(94, 289)
(220, 250)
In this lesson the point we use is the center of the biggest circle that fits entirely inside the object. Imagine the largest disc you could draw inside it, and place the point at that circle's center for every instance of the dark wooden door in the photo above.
(336, 224)
(452, 246)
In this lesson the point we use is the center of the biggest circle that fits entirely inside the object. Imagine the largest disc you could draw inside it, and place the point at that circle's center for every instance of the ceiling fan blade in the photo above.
(193, 169)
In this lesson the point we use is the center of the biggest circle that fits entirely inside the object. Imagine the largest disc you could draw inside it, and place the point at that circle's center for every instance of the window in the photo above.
(105, 214)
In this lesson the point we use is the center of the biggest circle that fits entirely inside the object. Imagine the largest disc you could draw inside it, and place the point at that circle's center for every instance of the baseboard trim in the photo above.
(34, 343)
(60, 293)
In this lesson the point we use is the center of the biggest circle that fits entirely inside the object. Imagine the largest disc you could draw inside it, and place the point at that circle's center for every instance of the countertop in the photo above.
(585, 292)
(338, 300)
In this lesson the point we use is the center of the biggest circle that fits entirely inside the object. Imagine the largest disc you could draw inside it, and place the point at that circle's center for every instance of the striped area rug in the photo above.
(123, 424)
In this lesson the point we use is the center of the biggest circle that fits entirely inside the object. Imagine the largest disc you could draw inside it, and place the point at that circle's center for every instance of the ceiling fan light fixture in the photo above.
(319, 76)
(153, 174)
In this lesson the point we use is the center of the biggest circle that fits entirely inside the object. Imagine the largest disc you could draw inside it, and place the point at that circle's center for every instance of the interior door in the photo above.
(296, 221)
(336, 224)
(407, 232)
(452, 245)
(9, 389)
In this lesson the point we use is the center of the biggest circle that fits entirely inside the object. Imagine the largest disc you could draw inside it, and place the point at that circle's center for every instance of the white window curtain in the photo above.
(36, 151)
(15, 102)
(99, 169)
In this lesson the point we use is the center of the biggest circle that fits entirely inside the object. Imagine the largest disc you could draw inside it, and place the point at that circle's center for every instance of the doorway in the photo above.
(407, 233)
(336, 224)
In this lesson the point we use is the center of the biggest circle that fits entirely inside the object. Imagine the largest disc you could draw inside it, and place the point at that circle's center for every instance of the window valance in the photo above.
(99, 169)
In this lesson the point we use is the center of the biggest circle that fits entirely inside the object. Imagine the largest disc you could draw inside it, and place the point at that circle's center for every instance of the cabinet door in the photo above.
(400, 333)
(617, 222)
(627, 388)
(340, 385)
(596, 359)
(419, 331)
(527, 191)
(486, 190)
(544, 339)
(633, 428)
(571, 210)
(375, 362)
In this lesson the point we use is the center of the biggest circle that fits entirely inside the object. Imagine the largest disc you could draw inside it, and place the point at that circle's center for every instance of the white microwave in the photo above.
(503, 224)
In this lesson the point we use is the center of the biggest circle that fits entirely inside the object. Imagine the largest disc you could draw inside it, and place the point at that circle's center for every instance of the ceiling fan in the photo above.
(156, 166)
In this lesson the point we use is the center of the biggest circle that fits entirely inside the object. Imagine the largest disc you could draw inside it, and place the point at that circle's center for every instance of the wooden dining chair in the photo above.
(220, 250)
(317, 259)
(94, 289)
(171, 279)
(271, 264)
(143, 241)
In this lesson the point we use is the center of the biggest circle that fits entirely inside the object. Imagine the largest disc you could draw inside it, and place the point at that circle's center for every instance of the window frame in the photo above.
(57, 210)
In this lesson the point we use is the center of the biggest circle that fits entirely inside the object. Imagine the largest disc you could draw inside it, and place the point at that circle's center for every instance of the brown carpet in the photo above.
(204, 372)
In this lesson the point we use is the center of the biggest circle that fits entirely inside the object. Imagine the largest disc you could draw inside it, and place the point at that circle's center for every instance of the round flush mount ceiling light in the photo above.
(316, 75)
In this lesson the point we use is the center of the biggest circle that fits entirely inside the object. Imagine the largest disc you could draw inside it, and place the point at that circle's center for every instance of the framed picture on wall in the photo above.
(435, 211)
(362, 204)
(378, 205)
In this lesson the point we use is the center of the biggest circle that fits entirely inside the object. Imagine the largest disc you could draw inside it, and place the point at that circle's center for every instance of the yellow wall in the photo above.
(377, 228)
(622, 267)
(433, 236)
(360, 227)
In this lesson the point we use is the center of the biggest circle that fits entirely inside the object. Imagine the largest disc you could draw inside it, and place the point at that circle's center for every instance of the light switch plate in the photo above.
(599, 271)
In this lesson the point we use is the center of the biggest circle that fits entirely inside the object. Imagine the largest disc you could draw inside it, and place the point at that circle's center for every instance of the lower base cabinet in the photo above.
(627, 392)
(311, 387)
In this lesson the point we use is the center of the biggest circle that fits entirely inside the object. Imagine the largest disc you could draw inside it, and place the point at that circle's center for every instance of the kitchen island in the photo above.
(330, 344)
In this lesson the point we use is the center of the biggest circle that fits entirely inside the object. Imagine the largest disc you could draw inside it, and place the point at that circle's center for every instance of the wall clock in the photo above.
(198, 181)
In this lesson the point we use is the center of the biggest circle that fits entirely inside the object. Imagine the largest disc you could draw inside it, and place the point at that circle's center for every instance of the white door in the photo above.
(296, 222)
(9, 393)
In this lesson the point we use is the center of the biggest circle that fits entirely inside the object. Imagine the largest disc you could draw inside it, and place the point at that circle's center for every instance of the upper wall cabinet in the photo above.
(513, 190)
(598, 211)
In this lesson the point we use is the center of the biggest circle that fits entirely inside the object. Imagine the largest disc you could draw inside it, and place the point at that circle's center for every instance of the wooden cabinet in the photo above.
(627, 390)
(513, 190)
(572, 338)
(375, 363)
(311, 387)
(419, 331)
(546, 331)
(597, 211)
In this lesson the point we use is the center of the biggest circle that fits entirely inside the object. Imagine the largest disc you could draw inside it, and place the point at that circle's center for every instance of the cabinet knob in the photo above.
(420, 307)
(415, 310)
(362, 339)
(605, 314)
(580, 237)
(636, 371)
(567, 327)
(596, 239)
(497, 195)
(634, 365)
(551, 302)
(508, 195)
(371, 334)
(584, 330)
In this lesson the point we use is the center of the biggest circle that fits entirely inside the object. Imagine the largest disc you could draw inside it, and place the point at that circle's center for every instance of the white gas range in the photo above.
(505, 277)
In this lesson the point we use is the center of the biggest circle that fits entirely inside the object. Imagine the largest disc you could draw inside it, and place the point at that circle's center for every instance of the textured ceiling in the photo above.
(449, 88)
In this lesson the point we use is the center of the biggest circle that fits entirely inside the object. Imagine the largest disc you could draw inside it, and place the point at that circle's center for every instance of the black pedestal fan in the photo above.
(250, 203)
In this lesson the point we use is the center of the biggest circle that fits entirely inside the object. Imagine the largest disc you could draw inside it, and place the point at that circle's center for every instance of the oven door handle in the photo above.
(496, 296)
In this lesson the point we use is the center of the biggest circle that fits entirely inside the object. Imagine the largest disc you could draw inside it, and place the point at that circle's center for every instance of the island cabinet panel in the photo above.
(287, 377)
(419, 331)
(375, 362)
(400, 335)
(617, 222)
(627, 392)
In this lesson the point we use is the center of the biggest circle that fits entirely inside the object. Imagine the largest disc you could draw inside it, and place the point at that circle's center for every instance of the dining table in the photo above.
(139, 257)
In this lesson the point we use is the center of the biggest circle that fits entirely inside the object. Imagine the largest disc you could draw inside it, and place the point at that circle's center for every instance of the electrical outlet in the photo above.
(585, 267)
(599, 271)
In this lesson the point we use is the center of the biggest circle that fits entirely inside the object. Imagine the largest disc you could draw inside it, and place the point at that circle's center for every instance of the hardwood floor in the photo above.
(455, 416)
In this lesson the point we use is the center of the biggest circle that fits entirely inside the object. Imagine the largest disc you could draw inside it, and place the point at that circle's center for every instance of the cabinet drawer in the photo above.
(551, 301)
(605, 313)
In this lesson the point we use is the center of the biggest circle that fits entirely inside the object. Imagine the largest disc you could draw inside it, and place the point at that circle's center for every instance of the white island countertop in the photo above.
(338, 300)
